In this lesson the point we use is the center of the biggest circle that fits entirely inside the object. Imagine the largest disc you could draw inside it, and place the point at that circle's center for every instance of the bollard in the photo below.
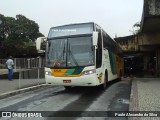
(15, 65)
(28, 63)
(38, 76)
(19, 80)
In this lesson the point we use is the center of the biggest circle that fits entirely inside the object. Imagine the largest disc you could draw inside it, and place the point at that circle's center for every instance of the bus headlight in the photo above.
(88, 72)
(48, 73)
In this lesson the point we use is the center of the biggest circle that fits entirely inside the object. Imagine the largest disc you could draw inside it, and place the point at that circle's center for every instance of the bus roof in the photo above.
(74, 24)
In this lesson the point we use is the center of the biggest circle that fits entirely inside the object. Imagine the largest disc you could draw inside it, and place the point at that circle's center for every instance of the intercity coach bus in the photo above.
(81, 55)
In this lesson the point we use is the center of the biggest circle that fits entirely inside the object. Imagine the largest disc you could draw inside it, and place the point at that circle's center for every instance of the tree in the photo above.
(136, 27)
(17, 33)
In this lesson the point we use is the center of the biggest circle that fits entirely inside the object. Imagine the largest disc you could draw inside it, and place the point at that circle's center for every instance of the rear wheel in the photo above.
(120, 76)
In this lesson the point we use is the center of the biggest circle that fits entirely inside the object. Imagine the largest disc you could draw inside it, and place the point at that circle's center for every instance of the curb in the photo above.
(23, 90)
(134, 106)
(131, 96)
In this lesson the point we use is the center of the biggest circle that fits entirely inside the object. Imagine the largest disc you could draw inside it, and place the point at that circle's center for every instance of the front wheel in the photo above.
(104, 85)
(68, 87)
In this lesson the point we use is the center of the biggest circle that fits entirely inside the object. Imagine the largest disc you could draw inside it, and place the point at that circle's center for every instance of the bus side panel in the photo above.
(119, 66)
(109, 64)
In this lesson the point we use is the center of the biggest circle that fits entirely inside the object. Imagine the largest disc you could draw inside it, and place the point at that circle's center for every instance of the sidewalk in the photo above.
(145, 96)
(23, 80)
(15, 84)
(8, 88)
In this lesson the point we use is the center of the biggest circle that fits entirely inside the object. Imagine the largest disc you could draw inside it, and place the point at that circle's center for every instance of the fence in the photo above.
(22, 79)
(25, 63)
(31, 77)
(27, 72)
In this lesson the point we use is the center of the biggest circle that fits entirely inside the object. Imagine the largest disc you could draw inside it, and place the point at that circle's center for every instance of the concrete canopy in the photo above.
(151, 16)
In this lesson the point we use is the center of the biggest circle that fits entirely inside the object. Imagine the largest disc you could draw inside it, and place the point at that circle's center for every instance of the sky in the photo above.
(116, 17)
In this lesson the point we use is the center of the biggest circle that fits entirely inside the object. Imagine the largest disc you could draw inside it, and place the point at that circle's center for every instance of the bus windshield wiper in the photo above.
(61, 58)
(70, 54)
(63, 51)
(48, 50)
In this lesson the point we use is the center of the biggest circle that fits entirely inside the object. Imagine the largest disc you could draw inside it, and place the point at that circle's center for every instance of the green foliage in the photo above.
(137, 27)
(16, 35)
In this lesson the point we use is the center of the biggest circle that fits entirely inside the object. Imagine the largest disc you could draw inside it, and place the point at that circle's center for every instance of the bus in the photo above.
(81, 54)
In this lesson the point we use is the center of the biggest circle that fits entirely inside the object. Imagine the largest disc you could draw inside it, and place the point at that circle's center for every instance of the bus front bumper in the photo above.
(85, 80)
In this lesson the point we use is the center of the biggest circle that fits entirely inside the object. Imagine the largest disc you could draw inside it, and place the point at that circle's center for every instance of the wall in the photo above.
(149, 39)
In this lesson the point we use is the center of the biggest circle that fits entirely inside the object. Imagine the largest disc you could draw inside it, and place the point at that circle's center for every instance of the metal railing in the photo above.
(22, 79)
(31, 77)
(27, 72)
(24, 63)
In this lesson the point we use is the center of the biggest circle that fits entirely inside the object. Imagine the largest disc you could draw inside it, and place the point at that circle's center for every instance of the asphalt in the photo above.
(145, 93)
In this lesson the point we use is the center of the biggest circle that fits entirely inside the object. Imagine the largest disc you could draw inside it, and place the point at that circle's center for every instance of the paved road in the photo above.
(115, 97)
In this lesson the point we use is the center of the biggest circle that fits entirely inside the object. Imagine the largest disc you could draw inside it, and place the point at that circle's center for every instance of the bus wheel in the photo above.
(120, 76)
(68, 87)
(104, 85)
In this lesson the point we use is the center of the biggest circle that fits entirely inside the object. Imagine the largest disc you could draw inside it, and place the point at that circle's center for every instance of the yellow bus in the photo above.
(81, 55)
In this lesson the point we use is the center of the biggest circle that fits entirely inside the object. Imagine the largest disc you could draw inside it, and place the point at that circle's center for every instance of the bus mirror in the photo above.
(95, 38)
(39, 41)
(94, 47)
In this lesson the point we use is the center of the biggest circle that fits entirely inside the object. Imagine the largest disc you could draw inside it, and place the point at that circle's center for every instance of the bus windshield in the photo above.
(70, 52)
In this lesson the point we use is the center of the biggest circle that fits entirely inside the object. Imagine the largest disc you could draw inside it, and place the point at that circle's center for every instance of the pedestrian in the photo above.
(10, 65)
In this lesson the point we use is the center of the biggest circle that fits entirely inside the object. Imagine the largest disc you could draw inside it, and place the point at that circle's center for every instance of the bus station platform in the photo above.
(23, 80)
(145, 96)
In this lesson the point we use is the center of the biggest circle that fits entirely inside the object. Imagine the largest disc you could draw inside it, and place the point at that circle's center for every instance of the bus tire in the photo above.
(120, 76)
(104, 85)
(68, 87)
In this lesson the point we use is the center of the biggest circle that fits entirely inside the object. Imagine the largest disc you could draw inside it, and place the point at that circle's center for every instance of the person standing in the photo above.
(10, 65)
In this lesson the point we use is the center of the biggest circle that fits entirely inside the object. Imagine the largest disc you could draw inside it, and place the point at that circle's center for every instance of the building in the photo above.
(142, 51)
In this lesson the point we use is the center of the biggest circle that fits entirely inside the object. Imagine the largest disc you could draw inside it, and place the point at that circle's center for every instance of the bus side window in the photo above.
(105, 41)
(99, 50)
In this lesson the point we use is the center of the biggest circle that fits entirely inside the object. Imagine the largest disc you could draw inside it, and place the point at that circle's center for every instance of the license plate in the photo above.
(66, 81)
